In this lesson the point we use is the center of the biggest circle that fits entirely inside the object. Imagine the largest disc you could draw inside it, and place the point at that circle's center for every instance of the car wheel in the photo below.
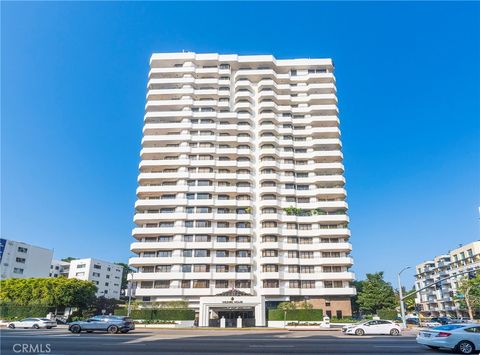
(394, 332)
(11, 326)
(359, 332)
(465, 347)
(35, 326)
(49, 327)
(75, 329)
(113, 329)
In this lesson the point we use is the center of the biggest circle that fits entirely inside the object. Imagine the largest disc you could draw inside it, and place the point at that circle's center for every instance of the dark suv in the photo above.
(111, 324)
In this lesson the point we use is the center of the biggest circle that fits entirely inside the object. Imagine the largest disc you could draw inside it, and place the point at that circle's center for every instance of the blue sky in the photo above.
(73, 78)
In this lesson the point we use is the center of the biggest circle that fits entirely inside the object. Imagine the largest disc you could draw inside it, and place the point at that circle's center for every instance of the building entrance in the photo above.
(231, 317)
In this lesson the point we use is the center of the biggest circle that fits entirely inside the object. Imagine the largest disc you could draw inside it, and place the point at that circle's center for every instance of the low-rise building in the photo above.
(59, 268)
(106, 276)
(440, 299)
(22, 260)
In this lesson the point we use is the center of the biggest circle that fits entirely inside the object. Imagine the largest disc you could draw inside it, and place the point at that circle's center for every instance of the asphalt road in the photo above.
(149, 341)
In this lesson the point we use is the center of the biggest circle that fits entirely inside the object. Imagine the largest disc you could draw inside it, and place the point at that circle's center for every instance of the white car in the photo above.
(373, 327)
(35, 323)
(463, 338)
(431, 324)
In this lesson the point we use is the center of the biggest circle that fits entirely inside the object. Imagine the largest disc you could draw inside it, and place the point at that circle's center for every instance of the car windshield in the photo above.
(45, 319)
(449, 327)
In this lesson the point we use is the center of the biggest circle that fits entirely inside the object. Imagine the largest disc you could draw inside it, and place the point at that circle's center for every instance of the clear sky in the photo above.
(73, 84)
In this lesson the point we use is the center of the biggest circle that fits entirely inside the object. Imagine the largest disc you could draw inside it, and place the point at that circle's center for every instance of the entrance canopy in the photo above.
(231, 301)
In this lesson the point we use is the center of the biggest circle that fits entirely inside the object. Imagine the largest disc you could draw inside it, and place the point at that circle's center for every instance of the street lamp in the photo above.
(402, 305)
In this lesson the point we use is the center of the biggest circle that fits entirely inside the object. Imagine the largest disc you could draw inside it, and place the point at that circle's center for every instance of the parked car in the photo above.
(442, 320)
(413, 321)
(460, 320)
(35, 323)
(430, 324)
(111, 324)
(373, 327)
(462, 338)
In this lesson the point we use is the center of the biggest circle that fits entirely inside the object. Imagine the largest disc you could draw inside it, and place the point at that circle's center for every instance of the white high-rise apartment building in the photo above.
(106, 276)
(241, 197)
(22, 260)
(440, 299)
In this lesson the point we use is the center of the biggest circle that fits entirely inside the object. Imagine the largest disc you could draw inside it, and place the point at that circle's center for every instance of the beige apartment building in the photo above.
(440, 299)
(241, 197)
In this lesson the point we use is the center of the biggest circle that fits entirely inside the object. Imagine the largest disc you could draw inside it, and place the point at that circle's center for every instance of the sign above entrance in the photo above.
(232, 300)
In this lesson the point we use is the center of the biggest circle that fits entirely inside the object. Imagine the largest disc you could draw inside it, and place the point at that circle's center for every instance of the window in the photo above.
(270, 268)
(308, 284)
(164, 253)
(201, 268)
(269, 238)
(96, 266)
(270, 284)
(221, 253)
(222, 239)
(81, 266)
(473, 330)
(221, 268)
(242, 268)
(186, 284)
(17, 270)
(242, 283)
(201, 253)
(292, 254)
(294, 284)
(186, 268)
(164, 268)
(96, 274)
(221, 284)
(294, 269)
(269, 253)
(201, 284)
(307, 269)
(22, 250)
(22, 261)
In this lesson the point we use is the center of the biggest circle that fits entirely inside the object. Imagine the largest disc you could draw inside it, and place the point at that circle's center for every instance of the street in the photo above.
(171, 341)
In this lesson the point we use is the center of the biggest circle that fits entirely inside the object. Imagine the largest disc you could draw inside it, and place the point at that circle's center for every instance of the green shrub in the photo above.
(158, 314)
(297, 314)
(388, 314)
(342, 320)
(10, 311)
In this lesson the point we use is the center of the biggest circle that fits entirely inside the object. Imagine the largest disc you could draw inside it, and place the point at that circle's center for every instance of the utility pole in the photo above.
(400, 291)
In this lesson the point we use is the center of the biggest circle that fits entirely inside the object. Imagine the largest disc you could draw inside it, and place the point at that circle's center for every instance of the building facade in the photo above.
(59, 268)
(440, 299)
(241, 186)
(22, 260)
(106, 276)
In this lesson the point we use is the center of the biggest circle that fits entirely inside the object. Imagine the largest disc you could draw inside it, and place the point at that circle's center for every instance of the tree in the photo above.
(376, 294)
(55, 292)
(126, 270)
(305, 305)
(469, 290)
(69, 259)
(287, 306)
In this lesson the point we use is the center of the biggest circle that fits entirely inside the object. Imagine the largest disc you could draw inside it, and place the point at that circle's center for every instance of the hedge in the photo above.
(11, 311)
(297, 314)
(389, 314)
(158, 314)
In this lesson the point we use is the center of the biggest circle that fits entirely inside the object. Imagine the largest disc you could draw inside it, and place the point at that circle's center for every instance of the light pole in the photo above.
(402, 306)
(129, 290)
